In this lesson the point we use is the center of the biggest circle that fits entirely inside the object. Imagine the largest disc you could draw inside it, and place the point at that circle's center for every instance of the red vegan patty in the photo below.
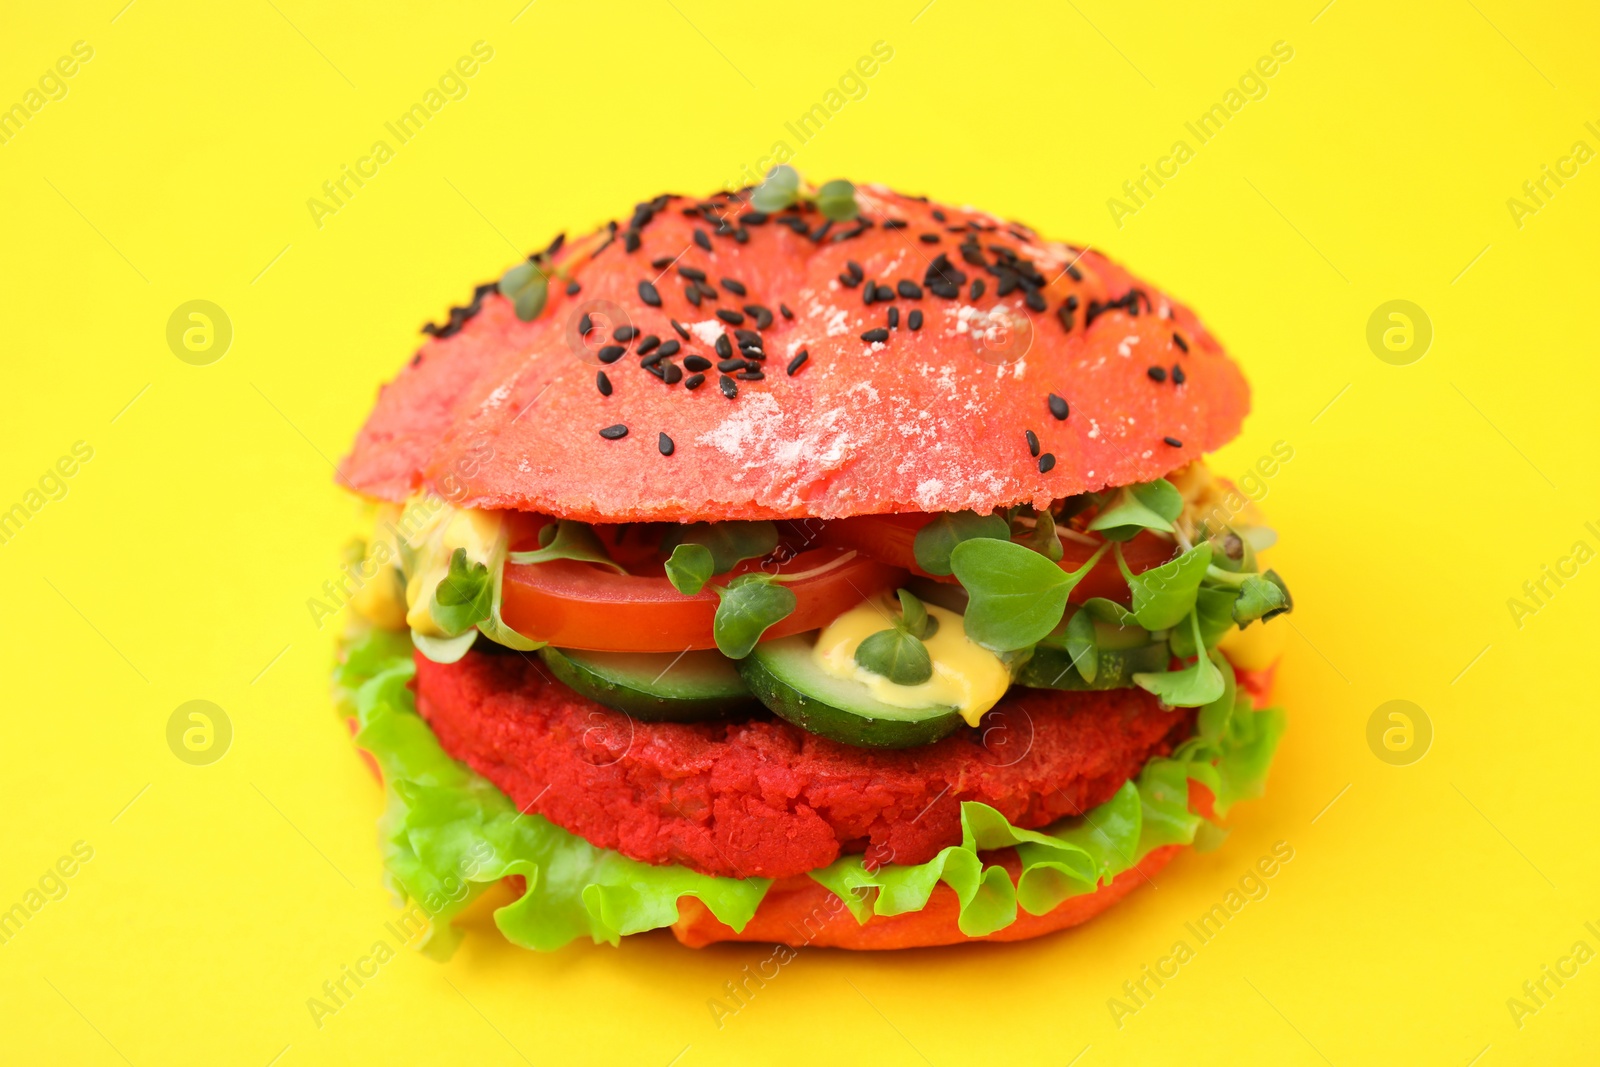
(761, 797)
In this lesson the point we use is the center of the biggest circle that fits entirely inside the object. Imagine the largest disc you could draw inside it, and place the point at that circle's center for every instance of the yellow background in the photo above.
(178, 564)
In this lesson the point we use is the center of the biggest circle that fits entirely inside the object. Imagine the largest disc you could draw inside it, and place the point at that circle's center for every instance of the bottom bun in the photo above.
(800, 913)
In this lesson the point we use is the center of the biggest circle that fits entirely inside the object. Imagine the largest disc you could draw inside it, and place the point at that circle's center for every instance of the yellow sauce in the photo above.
(966, 676)
(445, 531)
(380, 601)
(1254, 648)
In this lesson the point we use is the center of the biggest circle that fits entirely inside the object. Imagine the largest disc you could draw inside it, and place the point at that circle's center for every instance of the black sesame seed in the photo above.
(1033, 442)
(894, 224)
(612, 433)
(691, 293)
(585, 325)
(669, 349)
(610, 353)
(821, 231)
(702, 240)
(679, 329)
(1172, 441)
(573, 288)
(727, 366)
(849, 281)
(747, 337)
(706, 291)
(1058, 406)
(869, 293)
(1034, 300)
(1157, 374)
(693, 381)
(877, 335)
(1046, 462)
(947, 290)
(894, 318)
(908, 289)
(648, 294)
(736, 288)
(914, 320)
(602, 383)
(752, 352)
(630, 240)
(854, 269)
(1178, 377)
(661, 262)
(723, 347)
(692, 273)
(751, 376)
(650, 361)
(783, 309)
(664, 443)
(975, 290)
(624, 333)
(730, 316)
(1064, 313)
(697, 363)
(928, 238)
(671, 373)
(797, 362)
(938, 215)
(1072, 302)
(762, 316)
(1178, 340)
(658, 369)
(753, 218)
(729, 387)
(647, 344)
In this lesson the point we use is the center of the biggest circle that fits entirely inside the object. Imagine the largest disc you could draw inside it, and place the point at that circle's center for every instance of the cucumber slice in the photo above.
(1051, 668)
(784, 676)
(653, 686)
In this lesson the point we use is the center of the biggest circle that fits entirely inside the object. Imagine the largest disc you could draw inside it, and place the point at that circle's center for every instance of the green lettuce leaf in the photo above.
(1076, 855)
(447, 833)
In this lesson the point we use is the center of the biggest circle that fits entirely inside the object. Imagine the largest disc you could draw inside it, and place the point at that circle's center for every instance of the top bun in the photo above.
(498, 413)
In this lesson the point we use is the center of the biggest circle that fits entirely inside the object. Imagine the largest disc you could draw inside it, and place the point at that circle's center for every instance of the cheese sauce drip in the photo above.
(966, 676)
(444, 532)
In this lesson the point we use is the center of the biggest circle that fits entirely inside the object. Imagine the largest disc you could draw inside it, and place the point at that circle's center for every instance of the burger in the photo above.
(819, 566)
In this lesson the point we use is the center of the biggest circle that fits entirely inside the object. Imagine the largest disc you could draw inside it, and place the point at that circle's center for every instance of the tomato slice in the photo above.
(579, 605)
(890, 538)
(884, 537)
